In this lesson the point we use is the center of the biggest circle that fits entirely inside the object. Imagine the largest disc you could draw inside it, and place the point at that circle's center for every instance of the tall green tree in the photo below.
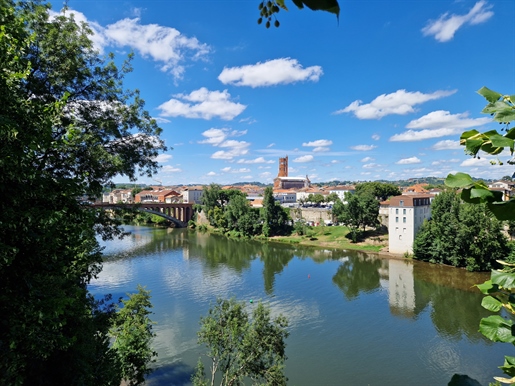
(274, 216)
(361, 210)
(67, 128)
(461, 235)
(241, 217)
(242, 345)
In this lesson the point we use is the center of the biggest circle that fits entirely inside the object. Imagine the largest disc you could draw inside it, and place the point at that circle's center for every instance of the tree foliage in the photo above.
(270, 8)
(461, 235)
(360, 211)
(274, 216)
(380, 190)
(67, 128)
(501, 286)
(242, 346)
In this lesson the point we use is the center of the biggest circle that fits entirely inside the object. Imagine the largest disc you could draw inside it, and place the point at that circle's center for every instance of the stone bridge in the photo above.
(179, 214)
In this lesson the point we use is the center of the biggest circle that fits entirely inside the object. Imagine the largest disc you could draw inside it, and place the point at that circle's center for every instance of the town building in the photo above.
(341, 191)
(283, 181)
(162, 195)
(192, 195)
(406, 215)
(118, 196)
(285, 196)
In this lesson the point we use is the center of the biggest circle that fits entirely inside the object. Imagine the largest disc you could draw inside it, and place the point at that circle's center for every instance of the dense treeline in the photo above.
(230, 211)
(67, 128)
(461, 235)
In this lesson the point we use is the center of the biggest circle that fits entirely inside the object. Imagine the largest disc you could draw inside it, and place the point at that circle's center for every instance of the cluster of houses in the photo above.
(403, 215)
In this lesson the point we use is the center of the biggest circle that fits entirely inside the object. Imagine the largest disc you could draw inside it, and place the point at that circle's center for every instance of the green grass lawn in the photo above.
(336, 237)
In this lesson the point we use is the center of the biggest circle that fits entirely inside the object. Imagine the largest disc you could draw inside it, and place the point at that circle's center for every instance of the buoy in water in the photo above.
(251, 301)
(309, 276)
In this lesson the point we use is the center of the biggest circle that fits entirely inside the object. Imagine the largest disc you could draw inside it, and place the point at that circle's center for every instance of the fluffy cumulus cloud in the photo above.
(363, 147)
(408, 161)
(229, 169)
(170, 169)
(446, 144)
(319, 145)
(258, 160)
(162, 158)
(437, 124)
(476, 162)
(304, 158)
(401, 102)
(367, 159)
(164, 45)
(231, 147)
(444, 28)
(270, 73)
(203, 104)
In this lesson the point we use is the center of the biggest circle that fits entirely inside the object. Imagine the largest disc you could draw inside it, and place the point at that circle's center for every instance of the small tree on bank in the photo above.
(242, 345)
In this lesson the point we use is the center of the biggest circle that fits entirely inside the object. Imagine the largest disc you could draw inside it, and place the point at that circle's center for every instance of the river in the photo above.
(355, 318)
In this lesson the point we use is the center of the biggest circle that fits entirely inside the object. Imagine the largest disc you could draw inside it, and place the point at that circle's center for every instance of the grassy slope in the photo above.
(335, 237)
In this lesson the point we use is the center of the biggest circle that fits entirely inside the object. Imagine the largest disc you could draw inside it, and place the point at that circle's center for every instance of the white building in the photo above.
(406, 215)
(341, 190)
(192, 195)
(118, 196)
(285, 196)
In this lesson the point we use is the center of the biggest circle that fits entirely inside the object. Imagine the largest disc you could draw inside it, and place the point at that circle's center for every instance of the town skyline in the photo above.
(382, 95)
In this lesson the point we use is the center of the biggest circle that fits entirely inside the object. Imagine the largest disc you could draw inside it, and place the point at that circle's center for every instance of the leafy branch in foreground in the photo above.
(242, 345)
(501, 286)
(270, 8)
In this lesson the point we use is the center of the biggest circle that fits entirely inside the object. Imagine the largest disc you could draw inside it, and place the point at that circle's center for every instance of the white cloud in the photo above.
(259, 160)
(162, 44)
(161, 120)
(271, 145)
(218, 138)
(367, 159)
(205, 105)
(408, 161)
(265, 175)
(476, 162)
(400, 102)
(446, 26)
(228, 169)
(320, 149)
(318, 143)
(211, 174)
(304, 158)
(334, 161)
(162, 158)
(376, 137)
(437, 124)
(270, 73)
(370, 166)
(446, 145)
(170, 169)
(363, 147)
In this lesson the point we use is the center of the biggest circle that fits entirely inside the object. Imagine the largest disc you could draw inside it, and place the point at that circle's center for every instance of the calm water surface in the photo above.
(355, 319)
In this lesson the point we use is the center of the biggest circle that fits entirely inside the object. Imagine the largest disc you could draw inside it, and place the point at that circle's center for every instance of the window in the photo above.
(404, 211)
(396, 211)
(396, 219)
(403, 230)
(401, 203)
(400, 237)
(404, 219)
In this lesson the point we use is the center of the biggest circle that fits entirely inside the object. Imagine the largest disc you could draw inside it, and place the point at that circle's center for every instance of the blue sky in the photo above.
(383, 94)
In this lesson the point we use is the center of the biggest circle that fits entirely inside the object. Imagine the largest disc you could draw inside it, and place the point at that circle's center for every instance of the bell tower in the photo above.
(283, 167)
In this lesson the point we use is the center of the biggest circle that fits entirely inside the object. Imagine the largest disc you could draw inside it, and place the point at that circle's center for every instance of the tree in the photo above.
(67, 128)
(500, 289)
(132, 334)
(241, 217)
(381, 191)
(361, 210)
(274, 217)
(271, 8)
(461, 235)
(242, 346)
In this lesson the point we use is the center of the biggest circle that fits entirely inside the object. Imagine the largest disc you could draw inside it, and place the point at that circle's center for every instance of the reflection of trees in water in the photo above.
(359, 273)
(456, 306)
(274, 257)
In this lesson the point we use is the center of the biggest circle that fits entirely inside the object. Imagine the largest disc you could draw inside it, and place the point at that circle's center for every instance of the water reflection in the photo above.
(423, 318)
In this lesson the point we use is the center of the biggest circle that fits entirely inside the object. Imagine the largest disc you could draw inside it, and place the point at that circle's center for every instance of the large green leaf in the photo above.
(504, 210)
(506, 115)
(488, 287)
(500, 140)
(459, 180)
(491, 304)
(497, 329)
(509, 366)
(503, 279)
(489, 95)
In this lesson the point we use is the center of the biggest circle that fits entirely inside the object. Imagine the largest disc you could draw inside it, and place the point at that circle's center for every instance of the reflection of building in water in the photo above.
(401, 288)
